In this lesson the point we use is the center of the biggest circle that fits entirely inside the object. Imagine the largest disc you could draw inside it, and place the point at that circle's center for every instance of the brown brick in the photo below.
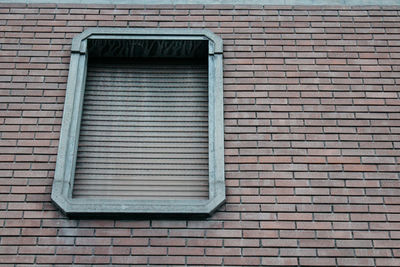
(318, 261)
(129, 260)
(113, 232)
(283, 261)
(20, 259)
(70, 250)
(92, 241)
(354, 243)
(55, 241)
(186, 251)
(167, 260)
(204, 260)
(92, 259)
(119, 241)
(169, 242)
(38, 232)
(311, 124)
(357, 262)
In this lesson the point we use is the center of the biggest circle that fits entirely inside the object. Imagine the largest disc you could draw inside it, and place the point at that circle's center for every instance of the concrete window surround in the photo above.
(67, 151)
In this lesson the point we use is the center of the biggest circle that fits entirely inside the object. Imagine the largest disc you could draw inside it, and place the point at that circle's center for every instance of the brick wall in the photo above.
(312, 141)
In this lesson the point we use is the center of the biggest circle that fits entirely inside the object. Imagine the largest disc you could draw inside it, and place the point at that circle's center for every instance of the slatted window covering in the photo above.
(144, 131)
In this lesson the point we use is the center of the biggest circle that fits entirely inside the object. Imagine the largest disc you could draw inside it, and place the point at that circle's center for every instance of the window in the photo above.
(142, 128)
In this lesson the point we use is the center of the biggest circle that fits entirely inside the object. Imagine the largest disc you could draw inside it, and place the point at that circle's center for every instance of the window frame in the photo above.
(69, 136)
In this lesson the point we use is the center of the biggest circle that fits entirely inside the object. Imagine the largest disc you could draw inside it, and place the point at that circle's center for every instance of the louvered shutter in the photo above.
(144, 131)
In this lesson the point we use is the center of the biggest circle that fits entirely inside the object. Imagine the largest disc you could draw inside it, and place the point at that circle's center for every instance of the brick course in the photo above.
(312, 138)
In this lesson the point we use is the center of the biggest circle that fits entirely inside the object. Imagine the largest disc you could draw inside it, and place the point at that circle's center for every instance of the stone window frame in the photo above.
(69, 136)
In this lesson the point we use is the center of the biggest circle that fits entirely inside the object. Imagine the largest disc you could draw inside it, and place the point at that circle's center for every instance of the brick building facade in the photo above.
(312, 138)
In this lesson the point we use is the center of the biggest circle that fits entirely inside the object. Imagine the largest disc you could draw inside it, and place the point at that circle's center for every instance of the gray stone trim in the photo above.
(66, 158)
(148, 34)
(213, 2)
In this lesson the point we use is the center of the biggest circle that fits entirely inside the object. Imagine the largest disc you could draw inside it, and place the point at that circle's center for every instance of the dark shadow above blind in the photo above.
(182, 49)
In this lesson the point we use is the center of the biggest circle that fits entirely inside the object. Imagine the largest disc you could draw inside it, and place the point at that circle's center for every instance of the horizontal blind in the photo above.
(144, 132)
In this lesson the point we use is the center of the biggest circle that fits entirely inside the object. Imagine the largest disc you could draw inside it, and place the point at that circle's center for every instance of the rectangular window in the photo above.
(142, 128)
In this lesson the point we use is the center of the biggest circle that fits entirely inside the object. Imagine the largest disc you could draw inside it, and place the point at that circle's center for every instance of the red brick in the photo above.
(387, 262)
(20, 259)
(9, 232)
(260, 234)
(119, 241)
(8, 250)
(224, 233)
(354, 243)
(204, 260)
(92, 241)
(22, 223)
(355, 262)
(334, 234)
(38, 232)
(311, 123)
(317, 243)
(129, 260)
(53, 259)
(318, 261)
(70, 250)
(168, 242)
(113, 232)
(169, 260)
(186, 251)
(278, 225)
(75, 232)
(55, 241)
(92, 259)
(365, 168)
(283, 261)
